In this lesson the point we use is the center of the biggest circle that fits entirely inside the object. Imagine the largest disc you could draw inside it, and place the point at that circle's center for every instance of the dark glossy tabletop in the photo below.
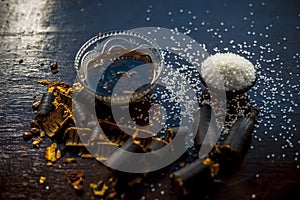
(266, 32)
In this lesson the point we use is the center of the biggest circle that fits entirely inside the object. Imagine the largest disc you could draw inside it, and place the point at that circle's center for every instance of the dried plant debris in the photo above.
(222, 159)
(54, 119)
(34, 124)
(232, 146)
(70, 160)
(42, 179)
(35, 131)
(27, 135)
(53, 67)
(104, 190)
(36, 142)
(52, 153)
(75, 179)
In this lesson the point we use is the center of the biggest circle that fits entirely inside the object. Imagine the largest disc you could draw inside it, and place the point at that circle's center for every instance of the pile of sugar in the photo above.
(238, 72)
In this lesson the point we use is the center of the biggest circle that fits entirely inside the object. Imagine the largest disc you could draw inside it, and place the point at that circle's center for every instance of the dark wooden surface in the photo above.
(38, 32)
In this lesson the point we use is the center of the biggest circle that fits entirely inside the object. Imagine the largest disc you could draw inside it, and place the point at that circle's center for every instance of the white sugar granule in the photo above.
(238, 72)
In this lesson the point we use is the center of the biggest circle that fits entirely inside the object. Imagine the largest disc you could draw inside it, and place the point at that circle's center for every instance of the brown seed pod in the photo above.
(35, 131)
(238, 140)
(53, 65)
(36, 142)
(27, 135)
(191, 177)
(121, 73)
(34, 124)
(70, 160)
(78, 187)
(35, 105)
(45, 106)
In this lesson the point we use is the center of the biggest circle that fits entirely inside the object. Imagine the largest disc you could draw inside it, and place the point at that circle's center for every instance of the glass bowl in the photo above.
(119, 66)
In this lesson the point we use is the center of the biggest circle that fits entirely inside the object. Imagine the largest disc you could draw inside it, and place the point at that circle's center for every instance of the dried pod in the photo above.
(35, 105)
(27, 135)
(35, 131)
(56, 120)
(203, 124)
(179, 133)
(75, 179)
(34, 124)
(238, 140)
(45, 106)
(118, 158)
(53, 67)
(158, 143)
(121, 73)
(70, 160)
(192, 177)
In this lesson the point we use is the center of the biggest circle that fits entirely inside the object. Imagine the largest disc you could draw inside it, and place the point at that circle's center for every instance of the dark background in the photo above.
(266, 32)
